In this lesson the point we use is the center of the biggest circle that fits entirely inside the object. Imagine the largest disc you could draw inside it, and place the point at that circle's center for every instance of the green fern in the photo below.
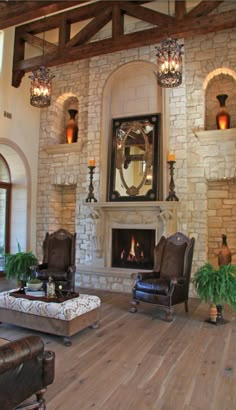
(216, 285)
(17, 266)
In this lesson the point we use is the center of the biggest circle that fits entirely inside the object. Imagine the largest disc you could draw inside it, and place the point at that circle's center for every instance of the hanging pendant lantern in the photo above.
(41, 84)
(41, 87)
(169, 63)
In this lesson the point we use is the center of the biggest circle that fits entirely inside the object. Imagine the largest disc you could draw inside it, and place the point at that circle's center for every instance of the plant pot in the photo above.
(216, 317)
(213, 313)
(34, 286)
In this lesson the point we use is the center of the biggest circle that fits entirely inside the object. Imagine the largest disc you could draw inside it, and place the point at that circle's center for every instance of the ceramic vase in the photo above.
(224, 255)
(222, 117)
(72, 127)
(213, 313)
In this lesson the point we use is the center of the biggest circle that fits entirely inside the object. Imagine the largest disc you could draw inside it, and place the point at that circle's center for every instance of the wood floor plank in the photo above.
(140, 362)
(225, 386)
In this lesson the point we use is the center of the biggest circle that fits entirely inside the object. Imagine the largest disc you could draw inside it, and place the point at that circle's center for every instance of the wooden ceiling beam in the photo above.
(13, 13)
(64, 33)
(180, 9)
(204, 7)
(181, 29)
(117, 21)
(39, 42)
(86, 12)
(91, 28)
(148, 15)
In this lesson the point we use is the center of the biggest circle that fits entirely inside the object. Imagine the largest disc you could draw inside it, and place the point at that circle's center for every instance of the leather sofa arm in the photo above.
(48, 367)
(14, 353)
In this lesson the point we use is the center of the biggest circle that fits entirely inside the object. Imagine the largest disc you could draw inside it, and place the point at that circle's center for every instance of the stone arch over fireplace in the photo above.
(131, 89)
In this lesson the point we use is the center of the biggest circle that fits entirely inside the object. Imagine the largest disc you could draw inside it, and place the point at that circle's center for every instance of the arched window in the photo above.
(5, 197)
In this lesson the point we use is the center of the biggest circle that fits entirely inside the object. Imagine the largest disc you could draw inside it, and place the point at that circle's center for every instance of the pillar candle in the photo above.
(171, 157)
(92, 162)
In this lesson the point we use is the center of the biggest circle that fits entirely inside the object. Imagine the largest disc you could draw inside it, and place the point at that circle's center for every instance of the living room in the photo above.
(50, 178)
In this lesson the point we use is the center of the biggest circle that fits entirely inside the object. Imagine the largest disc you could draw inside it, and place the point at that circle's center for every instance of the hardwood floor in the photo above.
(138, 361)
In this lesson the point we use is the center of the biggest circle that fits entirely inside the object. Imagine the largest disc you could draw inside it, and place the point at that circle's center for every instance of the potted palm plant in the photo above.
(216, 286)
(18, 265)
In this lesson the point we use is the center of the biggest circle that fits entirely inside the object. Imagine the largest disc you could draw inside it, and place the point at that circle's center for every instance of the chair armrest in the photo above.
(15, 353)
(178, 281)
(145, 275)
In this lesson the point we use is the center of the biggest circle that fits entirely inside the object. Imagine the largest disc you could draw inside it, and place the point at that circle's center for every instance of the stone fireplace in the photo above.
(158, 217)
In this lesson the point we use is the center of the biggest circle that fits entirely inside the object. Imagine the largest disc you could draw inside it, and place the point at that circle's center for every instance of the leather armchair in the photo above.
(25, 369)
(59, 259)
(168, 284)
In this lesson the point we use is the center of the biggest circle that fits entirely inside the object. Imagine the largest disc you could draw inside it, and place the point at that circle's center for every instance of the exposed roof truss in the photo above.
(95, 16)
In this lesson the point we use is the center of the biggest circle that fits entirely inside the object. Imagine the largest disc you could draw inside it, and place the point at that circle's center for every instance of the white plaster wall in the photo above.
(22, 130)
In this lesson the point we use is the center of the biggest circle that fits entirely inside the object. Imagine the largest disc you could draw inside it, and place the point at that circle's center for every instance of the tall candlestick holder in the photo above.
(91, 196)
(171, 196)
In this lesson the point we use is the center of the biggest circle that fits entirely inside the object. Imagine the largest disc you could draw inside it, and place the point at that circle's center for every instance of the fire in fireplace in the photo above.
(133, 248)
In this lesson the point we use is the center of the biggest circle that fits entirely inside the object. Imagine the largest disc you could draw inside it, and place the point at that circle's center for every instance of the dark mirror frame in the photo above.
(153, 190)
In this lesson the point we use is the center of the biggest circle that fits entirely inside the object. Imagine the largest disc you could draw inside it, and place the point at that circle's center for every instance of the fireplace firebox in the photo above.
(133, 248)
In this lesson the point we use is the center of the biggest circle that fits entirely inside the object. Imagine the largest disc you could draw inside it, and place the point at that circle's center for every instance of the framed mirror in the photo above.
(134, 159)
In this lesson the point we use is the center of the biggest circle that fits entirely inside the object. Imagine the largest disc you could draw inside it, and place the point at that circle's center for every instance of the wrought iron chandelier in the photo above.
(169, 63)
(41, 85)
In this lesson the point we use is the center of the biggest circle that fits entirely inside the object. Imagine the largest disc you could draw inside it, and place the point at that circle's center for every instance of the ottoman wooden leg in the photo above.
(95, 325)
(67, 341)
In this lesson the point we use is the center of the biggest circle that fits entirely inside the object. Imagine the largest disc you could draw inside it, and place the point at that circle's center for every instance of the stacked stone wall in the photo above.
(221, 217)
(186, 113)
(203, 54)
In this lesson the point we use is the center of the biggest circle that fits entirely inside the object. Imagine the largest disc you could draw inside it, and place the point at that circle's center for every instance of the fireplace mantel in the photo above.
(158, 215)
(142, 205)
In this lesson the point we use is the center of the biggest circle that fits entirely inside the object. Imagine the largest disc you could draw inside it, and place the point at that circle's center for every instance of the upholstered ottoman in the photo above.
(62, 319)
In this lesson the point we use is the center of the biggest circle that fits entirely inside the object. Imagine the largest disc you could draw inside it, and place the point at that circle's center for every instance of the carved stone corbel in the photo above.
(97, 231)
(168, 219)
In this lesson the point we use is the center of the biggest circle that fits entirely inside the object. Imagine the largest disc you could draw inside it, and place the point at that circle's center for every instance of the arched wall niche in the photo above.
(130, 90)
(219, 81)
(20, 229)
(62, 197)
(63, 103)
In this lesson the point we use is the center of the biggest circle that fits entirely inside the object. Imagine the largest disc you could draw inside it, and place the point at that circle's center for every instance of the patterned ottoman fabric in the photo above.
(67, 310)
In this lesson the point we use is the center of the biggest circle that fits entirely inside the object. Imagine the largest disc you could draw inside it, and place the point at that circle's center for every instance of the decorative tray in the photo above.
(60, 297)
